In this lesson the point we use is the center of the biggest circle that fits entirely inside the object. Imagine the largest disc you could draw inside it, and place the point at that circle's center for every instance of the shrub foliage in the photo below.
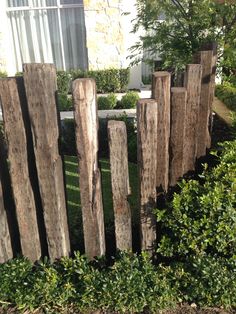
(227, 94)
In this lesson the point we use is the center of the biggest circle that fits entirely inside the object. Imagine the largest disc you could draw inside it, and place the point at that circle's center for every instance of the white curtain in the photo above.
(36, 34)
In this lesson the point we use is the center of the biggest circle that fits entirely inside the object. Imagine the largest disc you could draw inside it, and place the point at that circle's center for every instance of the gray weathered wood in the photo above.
(86, 125)
(205, 59)
(161, 93)
(178, 110)
(18, 158)
(5, 240)
(120, 183)
(212, 94)
(147, 117)
(193, 85)
(40, 85)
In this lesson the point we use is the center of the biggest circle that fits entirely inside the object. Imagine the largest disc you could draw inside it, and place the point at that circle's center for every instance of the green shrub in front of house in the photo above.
(107, 102)
(227, 94)
(3, 74)
(128, 101)
(63, 82)
(107, 81)
(201, 218)
(132, 284)
(64, 102)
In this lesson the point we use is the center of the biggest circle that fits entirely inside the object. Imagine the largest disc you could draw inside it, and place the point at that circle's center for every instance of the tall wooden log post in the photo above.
(212, 93)
(161, 93)
(20, 180)
(177, 133)
(40, 85)
(205, 59)
(5, 240)
(193, 77)
(120, 183)
(147, 117)
(86, 122)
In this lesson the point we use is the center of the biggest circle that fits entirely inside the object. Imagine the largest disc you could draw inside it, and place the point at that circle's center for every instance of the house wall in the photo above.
(108, 30)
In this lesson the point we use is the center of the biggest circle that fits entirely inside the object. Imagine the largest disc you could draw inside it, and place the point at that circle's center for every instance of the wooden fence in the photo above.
(172, 131)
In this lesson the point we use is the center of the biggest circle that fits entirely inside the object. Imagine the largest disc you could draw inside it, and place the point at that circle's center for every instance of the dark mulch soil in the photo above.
(186, 309)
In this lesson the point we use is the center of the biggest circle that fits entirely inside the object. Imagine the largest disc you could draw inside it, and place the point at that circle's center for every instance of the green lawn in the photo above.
(73, 197)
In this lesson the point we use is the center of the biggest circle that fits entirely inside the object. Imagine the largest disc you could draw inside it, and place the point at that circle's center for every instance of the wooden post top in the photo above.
(116, 123)
(146, 101)
(161, 73)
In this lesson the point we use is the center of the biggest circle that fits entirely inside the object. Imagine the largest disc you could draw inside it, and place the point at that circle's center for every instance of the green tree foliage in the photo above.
(187, 26)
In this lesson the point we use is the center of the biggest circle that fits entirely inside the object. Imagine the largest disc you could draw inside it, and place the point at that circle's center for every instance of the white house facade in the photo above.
(72, 34)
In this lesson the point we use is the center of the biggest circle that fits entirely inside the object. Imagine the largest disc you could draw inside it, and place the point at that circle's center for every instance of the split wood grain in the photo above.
(5, 240)
(147, 119)
(212, 94)
(193, 77)
(86, 130)
(178, 111)
(161, 82)
(41, 87)
(205, 59)
(18, 157)
(117, 135)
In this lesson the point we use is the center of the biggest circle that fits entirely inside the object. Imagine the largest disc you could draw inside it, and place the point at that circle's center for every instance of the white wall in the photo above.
(7, 60)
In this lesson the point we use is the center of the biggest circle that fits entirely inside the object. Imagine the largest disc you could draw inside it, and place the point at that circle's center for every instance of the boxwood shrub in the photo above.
(107, 81)
(107, 102)
(201, 218)
(227, 94)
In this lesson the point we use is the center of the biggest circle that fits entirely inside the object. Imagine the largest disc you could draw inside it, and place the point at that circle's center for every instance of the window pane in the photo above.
(74, 41)
(36, 37)
(51, 3)
(17, 3)
(71, 1)
(43, 3)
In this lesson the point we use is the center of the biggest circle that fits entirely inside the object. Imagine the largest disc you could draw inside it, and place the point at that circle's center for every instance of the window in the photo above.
(48, 31)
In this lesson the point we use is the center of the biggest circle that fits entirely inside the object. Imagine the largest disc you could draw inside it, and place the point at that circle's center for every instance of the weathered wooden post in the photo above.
(5, 240)
(18, 158)
(120, 183)
(177, 133)
(147, 117)
(161, 93)
(212, 93)
(193, 85)
(41, 87)
(86, 123)
(205, 59)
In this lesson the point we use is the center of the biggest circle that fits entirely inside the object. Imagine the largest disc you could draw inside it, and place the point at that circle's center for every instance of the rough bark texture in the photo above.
(5, 241)
(86, 120)
(212, 94)
(205, 59)
(178, 110)
(147, 116)
(18, 158)
(40, 84)
(120, 183)
(193, 85)
(161, 93)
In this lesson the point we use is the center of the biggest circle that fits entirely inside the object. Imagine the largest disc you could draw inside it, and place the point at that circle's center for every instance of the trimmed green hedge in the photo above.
(107, 81)
(132, 284)
(227, 94)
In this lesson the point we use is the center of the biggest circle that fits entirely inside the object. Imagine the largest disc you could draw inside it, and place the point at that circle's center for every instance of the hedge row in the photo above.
(227, 94)
(110, 80)
(131, 285)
